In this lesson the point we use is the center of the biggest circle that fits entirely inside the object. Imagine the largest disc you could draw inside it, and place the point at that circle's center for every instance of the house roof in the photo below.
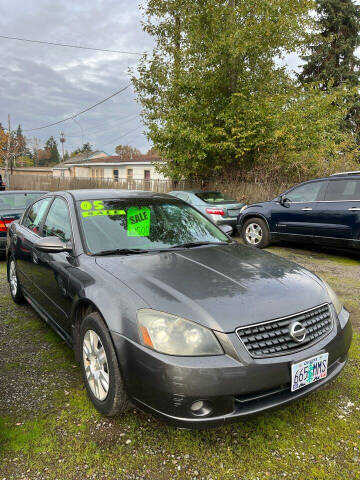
(110, 160)
(84, 157)
(120, 159)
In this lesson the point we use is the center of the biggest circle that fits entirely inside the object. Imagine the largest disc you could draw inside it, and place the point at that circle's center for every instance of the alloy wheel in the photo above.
(13, 278)
(253, 233)
(96, 365)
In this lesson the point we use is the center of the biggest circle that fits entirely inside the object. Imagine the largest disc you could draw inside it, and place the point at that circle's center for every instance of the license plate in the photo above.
(308, 371)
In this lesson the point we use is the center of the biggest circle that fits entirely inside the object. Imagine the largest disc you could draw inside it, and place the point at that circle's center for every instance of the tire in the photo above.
(101, 373)
(15, 287)
(255, 233)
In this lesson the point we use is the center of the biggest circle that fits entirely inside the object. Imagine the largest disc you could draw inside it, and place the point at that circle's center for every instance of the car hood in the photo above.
(220, 287)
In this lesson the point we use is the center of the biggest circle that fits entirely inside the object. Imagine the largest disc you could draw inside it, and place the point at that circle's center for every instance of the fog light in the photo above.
(201, 408)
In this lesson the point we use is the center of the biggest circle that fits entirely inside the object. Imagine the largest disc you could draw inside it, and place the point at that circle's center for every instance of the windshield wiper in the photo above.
(197, 244)
(122, 251)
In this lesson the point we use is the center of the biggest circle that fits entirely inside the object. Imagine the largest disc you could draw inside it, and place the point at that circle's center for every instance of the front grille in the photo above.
(273, 338)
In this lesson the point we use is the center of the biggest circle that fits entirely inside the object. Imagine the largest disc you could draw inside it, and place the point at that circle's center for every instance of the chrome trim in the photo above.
(314, 236)
(357, 172)
(307, 209)
(295, 350)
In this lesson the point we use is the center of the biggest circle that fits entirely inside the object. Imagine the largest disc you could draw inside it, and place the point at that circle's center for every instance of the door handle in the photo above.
(307, 209)
(354, 209)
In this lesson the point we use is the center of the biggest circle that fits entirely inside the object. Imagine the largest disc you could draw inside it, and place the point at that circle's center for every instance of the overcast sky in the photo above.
(41, 84)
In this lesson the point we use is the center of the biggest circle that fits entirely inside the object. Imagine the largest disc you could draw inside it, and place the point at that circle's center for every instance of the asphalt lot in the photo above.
(49, 429)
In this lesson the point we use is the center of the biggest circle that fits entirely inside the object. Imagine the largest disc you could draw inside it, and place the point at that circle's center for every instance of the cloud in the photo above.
(41, 84)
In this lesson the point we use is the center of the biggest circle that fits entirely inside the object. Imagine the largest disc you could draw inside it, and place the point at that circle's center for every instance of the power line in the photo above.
(121, 136)
(71, 117)
(70, 46)
(91, 131)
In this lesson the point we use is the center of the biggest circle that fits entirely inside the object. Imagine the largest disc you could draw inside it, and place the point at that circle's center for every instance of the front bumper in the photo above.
(235, 385)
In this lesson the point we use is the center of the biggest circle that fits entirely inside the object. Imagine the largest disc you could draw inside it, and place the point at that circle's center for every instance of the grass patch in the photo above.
(316, 438)
(65, 438)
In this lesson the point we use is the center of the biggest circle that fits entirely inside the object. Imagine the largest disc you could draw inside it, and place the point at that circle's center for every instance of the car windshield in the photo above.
(215, 197)
(17, 200)
(144, 224)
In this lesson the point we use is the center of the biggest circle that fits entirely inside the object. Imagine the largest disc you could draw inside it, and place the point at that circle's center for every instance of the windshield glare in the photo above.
(17, 200)
(215, 197)
(148, 224)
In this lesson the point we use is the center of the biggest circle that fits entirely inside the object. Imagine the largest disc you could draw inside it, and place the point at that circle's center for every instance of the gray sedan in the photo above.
(220, 208)
(167, 313)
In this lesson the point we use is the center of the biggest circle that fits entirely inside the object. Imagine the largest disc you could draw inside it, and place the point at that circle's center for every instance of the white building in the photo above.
(111, 167)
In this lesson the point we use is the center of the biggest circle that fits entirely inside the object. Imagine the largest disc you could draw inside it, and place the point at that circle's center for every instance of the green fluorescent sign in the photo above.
(96, 213)
(95, 208)
(138, 222)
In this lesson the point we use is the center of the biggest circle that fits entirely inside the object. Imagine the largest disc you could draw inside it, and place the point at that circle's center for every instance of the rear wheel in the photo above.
(100, 368)
(255, 233)
(15, 287)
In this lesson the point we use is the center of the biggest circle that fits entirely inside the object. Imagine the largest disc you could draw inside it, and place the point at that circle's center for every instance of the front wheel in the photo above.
(100, 368)
(15, 287)
(255, 233)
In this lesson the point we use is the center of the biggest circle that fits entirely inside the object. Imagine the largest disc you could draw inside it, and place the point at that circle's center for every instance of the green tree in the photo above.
(127, 151)
(86, 148)
(53, 153)
(332, 60)
(213, 94)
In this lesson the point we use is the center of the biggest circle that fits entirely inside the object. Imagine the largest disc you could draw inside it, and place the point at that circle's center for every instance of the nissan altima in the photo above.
(164, 311)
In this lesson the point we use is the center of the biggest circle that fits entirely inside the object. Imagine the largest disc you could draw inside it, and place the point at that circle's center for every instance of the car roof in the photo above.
(93, 194)
(23, 191)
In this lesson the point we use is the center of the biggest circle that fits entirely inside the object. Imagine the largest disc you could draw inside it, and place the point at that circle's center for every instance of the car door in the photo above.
(299, 216)
(26, 234)
(51, 270)
(340, 210)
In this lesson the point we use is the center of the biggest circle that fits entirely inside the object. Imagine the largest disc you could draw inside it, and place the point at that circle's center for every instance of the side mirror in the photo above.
(285, 202)
(52, 245)
(226, 229)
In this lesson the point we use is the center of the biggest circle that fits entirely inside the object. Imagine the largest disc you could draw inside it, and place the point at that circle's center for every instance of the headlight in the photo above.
(334, 298)
(174, 335)
(243, 208)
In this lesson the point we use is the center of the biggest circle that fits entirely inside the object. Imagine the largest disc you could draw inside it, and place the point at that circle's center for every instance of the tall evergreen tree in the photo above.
(51, 147)
(332, 60)
(20, 147)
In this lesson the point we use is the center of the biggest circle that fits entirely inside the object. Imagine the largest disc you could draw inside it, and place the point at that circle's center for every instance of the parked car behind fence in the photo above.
(219, 207)
(324, 211)
(12, 206)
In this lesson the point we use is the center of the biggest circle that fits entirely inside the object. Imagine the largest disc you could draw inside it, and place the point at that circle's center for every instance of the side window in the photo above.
(343, 190)
(305, 193)
(57, 222)
(35, 214)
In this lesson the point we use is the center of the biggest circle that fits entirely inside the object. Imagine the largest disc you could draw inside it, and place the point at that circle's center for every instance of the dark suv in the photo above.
(324, 211)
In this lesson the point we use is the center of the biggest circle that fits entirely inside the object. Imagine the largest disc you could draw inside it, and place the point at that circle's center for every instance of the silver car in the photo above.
(220, 208)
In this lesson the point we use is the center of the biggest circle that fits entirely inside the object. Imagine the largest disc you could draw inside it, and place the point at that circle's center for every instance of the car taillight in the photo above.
(215, 211)
(4, 225)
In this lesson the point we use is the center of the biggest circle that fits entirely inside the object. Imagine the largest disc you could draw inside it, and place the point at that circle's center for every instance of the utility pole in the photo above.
(62, 141)
(7, 158)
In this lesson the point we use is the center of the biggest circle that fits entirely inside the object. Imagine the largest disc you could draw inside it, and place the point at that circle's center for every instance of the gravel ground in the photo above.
(49, 429)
